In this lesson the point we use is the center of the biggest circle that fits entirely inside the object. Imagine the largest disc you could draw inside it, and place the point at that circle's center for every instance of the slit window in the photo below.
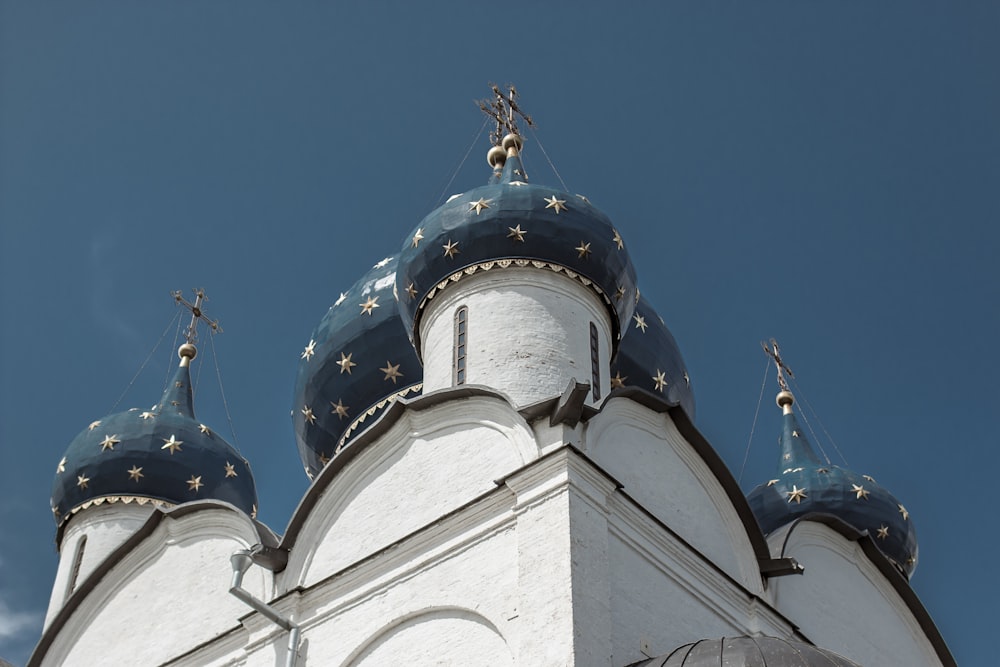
(461, 343)
(595, 362)
(77, 560)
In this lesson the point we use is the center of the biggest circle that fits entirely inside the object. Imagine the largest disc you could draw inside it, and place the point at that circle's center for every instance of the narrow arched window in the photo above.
(77, 559)
(595, 362)
(461, 343)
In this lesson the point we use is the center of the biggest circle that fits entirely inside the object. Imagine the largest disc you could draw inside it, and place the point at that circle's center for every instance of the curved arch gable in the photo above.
(436, 636)
(667, 474)
(445, 454)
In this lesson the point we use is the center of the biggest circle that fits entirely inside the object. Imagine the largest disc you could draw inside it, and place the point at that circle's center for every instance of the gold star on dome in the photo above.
(340, 409)
(911, 561)
(178, 384)
(204, 429)
(147, 415)
(870, 479)
(323, 458)
(637, 295)
(516, 233)
(253, 511)
(557, 204)
(135, 473)
(418, 236)
(81, 481)
(883, 532)
(860, 491)
(687, 379)
(620, 293)
(391, 372)
(478, 206)
(382, 263)
(772, 482)
(640, 322)
(230, 469)
(368, 306)
(517, 184)
(62, 466)
(795, 434)
(618, 382)
(308, 414)
(788, 457)
(796, 494)
(345, 363)
(583, 250)
(411, 291)
(310, 350)
(660, 379)
(902, 510)
(450, 249)
(173, 444)
(617, 238)
(109, 442)
(194, 483)
(94, 425)
(340, 299)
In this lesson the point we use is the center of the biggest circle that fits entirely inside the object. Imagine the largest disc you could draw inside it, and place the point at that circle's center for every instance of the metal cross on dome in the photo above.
(504, 110)
(191, 333)
(775, 354)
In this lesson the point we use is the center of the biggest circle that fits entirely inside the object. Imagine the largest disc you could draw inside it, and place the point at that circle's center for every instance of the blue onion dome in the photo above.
(357, 361)
(163, 456)
(513, 223)
(760, 651)
(648, 358)
(805, 484)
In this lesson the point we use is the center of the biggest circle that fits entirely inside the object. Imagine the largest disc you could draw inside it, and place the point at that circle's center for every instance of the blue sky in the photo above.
(825, 173)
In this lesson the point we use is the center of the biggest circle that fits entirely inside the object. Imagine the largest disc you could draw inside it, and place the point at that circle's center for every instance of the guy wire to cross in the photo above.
(170, 368)
(538, 141)
(146, 361)
(472, 145)
(225, 403)
(763, 383)
(805, 401)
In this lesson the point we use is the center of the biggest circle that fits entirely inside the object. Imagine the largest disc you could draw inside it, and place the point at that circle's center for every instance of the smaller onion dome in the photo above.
(357, 361)
(805, 484)
(748, 651)
(648, 358)
(513, 223)
(163, 455)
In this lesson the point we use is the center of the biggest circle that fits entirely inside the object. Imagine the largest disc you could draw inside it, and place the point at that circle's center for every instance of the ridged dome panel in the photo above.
(162, 455)
(748, 652)
(358, 359)
(514, 223)
(648, 358)
(805, 484)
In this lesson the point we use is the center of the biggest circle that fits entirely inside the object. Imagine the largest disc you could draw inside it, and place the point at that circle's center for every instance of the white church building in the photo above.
(505, 470)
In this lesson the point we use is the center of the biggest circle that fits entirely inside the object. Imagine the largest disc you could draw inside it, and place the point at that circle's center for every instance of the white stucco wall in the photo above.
(166, 596)
(528, 333)
(431, 462)
(644, 451)
(106, 527)
(843, 603)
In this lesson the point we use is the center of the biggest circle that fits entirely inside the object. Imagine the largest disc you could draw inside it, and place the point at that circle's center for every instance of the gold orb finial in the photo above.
(785, 400)
(496, 157)
(512, 143)
(187, 352)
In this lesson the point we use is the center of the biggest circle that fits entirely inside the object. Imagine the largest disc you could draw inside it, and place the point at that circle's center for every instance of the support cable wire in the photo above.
(146, 361)
(805, 401)
(225, 404)
(462, 163)
(539, 142)
(170, 368)
(753, 427)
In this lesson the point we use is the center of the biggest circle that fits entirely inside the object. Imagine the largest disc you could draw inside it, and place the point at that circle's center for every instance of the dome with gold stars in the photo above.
(356, 362)
(648, 358)
(513, 223)
(805, 484)
(163, 456)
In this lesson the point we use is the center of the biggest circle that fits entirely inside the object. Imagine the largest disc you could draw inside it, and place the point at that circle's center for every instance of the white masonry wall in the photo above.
(106, 527)
(528, 333)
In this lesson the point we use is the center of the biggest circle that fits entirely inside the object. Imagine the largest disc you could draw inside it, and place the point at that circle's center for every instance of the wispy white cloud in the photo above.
(16, 624)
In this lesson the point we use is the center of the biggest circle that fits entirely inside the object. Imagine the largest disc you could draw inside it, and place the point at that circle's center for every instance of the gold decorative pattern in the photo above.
(413, 388)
